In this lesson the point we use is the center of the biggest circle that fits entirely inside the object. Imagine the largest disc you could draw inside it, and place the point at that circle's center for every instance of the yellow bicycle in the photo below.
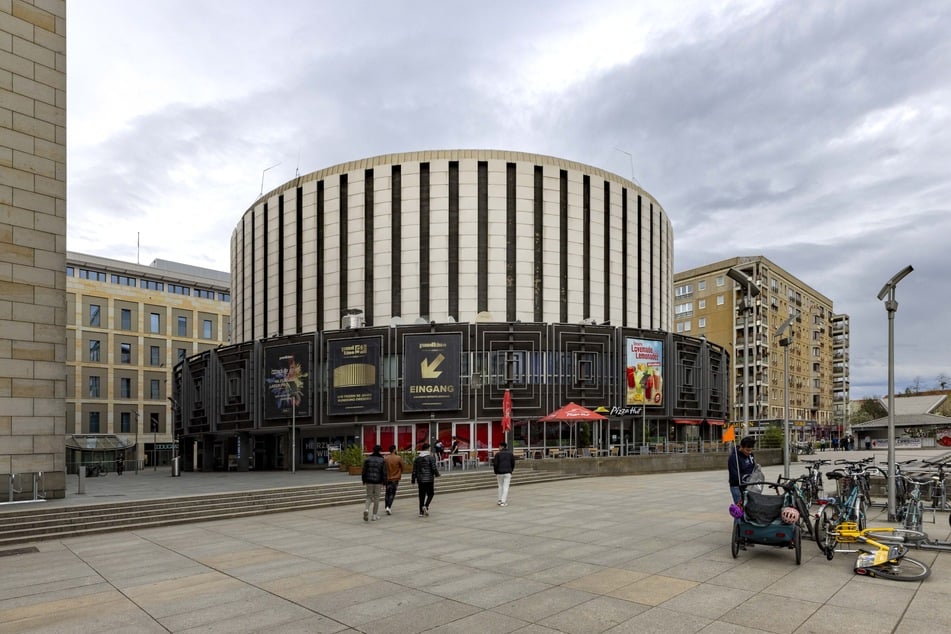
(881, 552)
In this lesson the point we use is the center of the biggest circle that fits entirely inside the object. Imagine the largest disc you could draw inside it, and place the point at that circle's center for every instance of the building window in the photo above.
(93, 422)
(683, 310)
(702, 285)
(96, 276)
(702, 322)
(94, 350)
(151, 285)
(125, 423)
(182, 326)
(94, 387)
(719, 300)
(155, 357)
(153, 422)
(125, 353)
(720, 281)
(125, 388)
(125, 319)
(206, 329)
(684, 289)
(70, 271)
(701, 304)
(154, 390)
(687, 326)
(182, 353)
(155, 323)
(179, 290)
(122, 280)
(224, 297)
(94, 312)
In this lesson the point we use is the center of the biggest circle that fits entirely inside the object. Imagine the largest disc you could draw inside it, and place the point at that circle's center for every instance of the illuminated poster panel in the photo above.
(355, 379)
(644, 372)
(287, 380)
(432, 365)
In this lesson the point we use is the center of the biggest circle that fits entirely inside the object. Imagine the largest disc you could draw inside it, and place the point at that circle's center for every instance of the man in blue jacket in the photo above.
(740, 465)
(374, 477)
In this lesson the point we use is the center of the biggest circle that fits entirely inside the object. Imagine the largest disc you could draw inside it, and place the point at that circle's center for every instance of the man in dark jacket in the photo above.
(374, 476)
(424, 475)
(503, 464)
(740, 465)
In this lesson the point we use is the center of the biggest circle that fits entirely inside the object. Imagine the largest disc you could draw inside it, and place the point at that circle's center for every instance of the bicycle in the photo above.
(794, 488)
(837, 511)
(812, 487)
(887, 556)
(939, 492)
(912, 513)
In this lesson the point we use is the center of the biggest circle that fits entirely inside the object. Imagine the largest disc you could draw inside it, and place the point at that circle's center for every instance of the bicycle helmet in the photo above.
(790, 515)
(736, 511)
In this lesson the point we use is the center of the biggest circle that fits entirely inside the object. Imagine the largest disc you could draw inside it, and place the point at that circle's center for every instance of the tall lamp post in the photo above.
(750, 290)
(891, 305)
(784, 342)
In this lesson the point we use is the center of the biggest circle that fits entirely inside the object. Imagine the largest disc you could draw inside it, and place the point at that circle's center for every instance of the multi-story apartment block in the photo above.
(708, 303)
(127, 326)
(32, 246)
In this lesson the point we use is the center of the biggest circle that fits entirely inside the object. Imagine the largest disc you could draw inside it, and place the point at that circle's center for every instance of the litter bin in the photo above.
(175, 469)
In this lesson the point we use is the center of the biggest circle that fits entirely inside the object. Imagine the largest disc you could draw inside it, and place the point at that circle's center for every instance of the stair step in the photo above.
(39, 523)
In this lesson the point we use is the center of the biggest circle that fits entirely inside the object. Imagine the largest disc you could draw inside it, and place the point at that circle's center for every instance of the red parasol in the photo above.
(572, 413)
(506, 411)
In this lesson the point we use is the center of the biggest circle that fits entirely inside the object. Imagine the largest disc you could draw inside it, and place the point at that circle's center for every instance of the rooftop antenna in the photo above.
(262, 176)
(297, 169)
(630, 156)
(138, 246)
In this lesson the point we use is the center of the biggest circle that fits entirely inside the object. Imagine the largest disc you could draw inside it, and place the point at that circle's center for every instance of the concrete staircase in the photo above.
(39, 523)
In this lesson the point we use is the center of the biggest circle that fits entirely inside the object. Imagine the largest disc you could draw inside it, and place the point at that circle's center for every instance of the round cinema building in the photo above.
(405, 297)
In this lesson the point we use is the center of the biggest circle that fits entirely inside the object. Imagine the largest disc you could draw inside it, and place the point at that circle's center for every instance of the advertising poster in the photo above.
(287, 380)
(356, 385)
(432, 365)
(644, 372)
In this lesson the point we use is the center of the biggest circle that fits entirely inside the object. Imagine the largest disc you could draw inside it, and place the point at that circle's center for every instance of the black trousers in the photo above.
(390, 495)
(426, 492)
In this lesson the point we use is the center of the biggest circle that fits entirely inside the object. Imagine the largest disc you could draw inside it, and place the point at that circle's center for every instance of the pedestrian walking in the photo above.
(425, 472)
(374, 477)
(120, 464)
(503, 464)
(394, 473)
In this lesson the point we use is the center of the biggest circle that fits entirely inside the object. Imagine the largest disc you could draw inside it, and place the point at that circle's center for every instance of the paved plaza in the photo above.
(611, 554)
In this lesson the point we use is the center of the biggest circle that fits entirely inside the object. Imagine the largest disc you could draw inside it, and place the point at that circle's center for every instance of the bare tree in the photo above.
(943, 381)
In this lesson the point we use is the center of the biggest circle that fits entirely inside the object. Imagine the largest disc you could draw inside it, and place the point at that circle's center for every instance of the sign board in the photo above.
(287, 379)
(644, 372)
(432, 366)
(355, 384)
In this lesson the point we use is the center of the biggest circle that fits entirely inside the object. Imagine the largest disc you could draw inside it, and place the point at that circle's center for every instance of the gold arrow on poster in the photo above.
(427, 368)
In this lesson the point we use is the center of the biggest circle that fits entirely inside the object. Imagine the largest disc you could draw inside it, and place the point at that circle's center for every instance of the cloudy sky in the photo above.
(815, 133)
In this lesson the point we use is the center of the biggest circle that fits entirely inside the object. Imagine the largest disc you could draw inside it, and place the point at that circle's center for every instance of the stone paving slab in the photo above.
(647, 553)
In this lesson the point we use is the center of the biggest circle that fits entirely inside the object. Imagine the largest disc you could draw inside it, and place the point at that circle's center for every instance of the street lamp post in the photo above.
(293, 434)
(784, 342)
(891, 305)
(750, 290)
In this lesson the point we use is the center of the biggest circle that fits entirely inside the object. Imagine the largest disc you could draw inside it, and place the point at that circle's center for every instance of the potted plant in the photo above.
(408, 456)
(350, 459)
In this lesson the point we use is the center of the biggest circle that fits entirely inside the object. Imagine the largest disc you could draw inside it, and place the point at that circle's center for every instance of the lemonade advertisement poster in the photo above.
(645, 383)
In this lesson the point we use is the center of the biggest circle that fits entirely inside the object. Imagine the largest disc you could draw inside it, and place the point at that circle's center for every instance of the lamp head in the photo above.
(779, 331)
(744, 280)
(892, 283)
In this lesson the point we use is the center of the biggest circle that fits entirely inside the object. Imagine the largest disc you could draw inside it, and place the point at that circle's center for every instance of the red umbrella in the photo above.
(572, 413)
(507, 411)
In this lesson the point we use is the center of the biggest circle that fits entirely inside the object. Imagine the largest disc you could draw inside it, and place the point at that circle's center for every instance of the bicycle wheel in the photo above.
(905, 569)
(896, 536)
(804, 523)
(735, 545)
(825, 525)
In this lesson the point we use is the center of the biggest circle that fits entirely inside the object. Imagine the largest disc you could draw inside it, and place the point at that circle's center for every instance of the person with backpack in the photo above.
(425, 472)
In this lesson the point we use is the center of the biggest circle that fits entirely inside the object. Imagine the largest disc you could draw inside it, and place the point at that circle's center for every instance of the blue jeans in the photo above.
(737, 495)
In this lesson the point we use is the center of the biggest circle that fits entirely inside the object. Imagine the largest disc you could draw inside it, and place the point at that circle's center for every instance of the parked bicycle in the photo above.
(812, 487)
(796, 497)
(850, 508)
(911, 513)
(939, 492)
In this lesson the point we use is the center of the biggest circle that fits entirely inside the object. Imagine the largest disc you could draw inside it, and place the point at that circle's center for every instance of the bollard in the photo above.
(82, 480)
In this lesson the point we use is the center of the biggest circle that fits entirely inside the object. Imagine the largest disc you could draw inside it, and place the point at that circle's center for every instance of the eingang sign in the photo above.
(432, 366)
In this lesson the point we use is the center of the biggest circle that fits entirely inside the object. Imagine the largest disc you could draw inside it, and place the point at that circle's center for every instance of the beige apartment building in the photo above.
(127, 326)
(708, 303)
(32, 247)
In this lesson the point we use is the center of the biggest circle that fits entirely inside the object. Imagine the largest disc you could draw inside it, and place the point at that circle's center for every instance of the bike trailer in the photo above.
(761, 523)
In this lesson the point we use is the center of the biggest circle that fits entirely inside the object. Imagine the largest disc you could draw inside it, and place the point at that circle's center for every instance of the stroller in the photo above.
(766, 519)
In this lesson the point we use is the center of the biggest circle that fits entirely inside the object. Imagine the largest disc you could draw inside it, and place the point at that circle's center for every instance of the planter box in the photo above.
(355, 469)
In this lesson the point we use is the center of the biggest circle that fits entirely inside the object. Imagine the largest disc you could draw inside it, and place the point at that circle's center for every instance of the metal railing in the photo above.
(16, 483)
